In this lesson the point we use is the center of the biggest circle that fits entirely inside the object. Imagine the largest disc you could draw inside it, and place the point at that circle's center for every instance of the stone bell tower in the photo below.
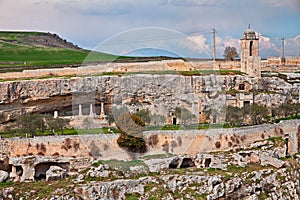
(250, 59)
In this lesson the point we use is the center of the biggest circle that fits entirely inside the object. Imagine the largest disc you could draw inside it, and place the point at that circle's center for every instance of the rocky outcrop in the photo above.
(40, 39)
(261, 184)
(3, 176)
(55, 173)
(251, 172)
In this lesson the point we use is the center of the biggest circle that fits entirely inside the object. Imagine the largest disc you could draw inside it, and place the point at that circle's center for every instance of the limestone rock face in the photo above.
(55, 173)
(159, 93)
(113, 190)
(268, 160)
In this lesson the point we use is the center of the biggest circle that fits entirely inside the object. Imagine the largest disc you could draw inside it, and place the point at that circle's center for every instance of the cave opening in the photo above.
(207, 162)
(187, 162)
(174, 164)
(19, 170)
(42, 168)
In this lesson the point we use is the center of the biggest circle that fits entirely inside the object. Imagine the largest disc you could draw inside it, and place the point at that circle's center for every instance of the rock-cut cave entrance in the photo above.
(42, 168)
(187, 162)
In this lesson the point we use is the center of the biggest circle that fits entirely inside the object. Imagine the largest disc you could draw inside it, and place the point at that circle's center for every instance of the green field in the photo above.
(16, 56)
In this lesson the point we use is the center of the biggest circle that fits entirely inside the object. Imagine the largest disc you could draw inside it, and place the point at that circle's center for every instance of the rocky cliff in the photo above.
(160, 93)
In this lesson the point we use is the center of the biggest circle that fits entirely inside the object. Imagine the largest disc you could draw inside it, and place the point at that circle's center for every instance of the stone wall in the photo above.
(166, 65)
(179, 142)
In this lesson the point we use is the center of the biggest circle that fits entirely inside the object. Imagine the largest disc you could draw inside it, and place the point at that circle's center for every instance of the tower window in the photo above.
(241, 86)
(250, 50)
(246, 103)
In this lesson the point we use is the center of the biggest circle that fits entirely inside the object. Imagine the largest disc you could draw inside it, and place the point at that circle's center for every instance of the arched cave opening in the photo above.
(174, 164)
(287, 145)
(42, 168)
(207, 162)
(187, 162)
(19, 170)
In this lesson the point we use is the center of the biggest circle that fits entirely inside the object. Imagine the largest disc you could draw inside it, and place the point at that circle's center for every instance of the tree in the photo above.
(285, 110)
(56, 124)
(110, 117)
(130, 126)
(158, 119)
(230, 53)
(234, 116)
(145, 115)
(258, 113)
(184, 114)
(30, 123)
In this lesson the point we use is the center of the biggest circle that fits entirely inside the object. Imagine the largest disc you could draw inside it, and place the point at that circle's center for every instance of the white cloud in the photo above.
(94, 7)
(199, 44)
(292, 46)
(294, 4)
(88, 22)
(267, 47)
(189, 3)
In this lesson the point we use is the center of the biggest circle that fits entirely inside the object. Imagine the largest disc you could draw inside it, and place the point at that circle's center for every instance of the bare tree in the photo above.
(230, 53)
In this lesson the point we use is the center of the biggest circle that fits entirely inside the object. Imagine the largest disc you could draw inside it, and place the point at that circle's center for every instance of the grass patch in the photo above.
(16, 54)
(119, 164)
(157, 156)
(6, 184)
(203, 126)
(287, 118)
(43, 189)
(278, 141)
(133, 196)
(67, 131)
(171, 127)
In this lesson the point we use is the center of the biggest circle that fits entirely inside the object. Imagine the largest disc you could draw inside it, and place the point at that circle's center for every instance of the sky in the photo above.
(159, 27)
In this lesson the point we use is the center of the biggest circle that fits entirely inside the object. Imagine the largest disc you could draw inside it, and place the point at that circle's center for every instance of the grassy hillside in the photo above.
(28, 50)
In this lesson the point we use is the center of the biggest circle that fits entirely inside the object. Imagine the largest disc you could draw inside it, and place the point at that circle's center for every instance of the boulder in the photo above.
(100, 171)
(55, 173)
(112, 190)
(268, 160)
(3, 176)
(156, 165)
(139, 169)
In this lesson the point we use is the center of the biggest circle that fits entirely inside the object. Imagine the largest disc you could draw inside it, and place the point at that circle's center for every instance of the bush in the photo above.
(130, 126)
(131, 143)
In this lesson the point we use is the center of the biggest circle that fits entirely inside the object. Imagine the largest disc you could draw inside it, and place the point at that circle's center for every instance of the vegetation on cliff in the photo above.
(255, 114)
(130, 126)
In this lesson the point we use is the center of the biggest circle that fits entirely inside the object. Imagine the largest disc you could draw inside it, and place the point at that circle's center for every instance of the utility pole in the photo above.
(282, 51)
(214, 43)
(282, 47)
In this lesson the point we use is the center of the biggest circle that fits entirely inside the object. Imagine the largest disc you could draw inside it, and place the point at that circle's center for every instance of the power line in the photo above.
(152, 39)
